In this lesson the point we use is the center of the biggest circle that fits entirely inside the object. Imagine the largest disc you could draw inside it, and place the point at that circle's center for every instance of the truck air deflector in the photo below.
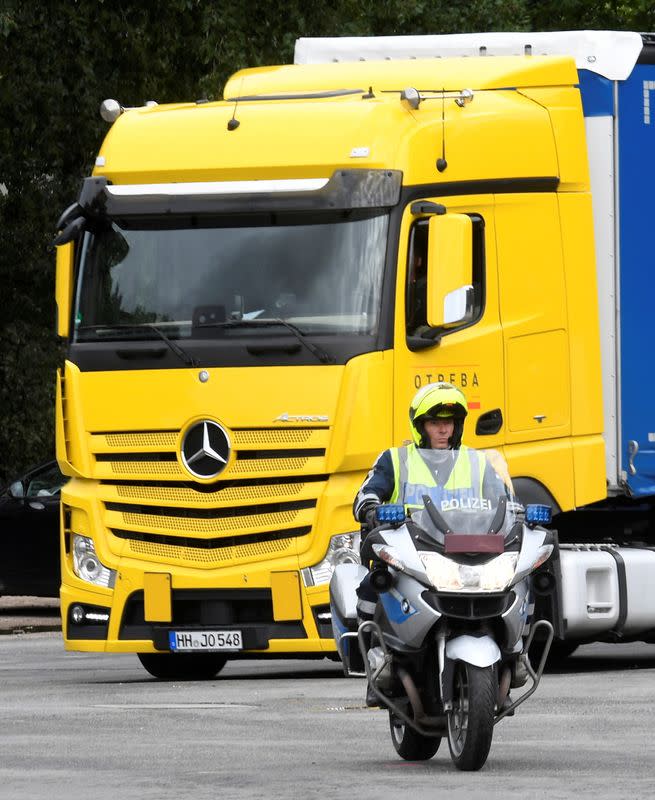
(346, 189)
(609, 53)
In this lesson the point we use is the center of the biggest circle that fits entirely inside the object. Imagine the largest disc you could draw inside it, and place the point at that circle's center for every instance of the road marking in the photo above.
(156, 706)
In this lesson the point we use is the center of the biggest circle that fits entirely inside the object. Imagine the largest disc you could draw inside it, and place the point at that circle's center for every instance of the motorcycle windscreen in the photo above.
(468, 494)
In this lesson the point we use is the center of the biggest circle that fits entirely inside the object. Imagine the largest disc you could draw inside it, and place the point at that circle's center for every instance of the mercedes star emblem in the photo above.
(205, 449)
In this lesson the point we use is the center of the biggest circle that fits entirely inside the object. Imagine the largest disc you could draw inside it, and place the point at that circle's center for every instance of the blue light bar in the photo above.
(390, 513)
(537, 514)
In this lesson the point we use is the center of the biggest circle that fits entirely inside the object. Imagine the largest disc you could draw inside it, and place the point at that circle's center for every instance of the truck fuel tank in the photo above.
(607, 589)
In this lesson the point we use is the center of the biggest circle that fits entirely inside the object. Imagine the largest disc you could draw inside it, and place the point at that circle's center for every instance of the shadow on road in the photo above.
(605, 658)
(29, 611)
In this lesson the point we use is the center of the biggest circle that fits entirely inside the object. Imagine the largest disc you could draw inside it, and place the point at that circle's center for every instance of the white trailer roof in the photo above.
(611, 54)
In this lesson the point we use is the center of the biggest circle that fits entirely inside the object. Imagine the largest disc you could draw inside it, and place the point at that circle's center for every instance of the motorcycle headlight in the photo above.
(447, 575)
(341, 550)
(87, 565)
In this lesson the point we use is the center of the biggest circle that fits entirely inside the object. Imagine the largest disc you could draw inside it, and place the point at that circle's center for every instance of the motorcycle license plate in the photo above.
(187, 641)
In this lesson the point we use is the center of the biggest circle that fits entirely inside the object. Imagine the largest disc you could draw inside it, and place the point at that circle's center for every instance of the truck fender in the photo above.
(481, 651)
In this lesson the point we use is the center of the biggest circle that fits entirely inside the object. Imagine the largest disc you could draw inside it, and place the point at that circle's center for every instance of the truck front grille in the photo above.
(263, 502)
(209, 557)
(143, 455)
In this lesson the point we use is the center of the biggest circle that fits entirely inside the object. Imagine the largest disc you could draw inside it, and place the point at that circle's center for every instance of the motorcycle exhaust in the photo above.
(419, 721)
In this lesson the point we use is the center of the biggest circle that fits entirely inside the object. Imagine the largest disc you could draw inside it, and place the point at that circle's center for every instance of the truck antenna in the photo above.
(234, 123)
(441, 162)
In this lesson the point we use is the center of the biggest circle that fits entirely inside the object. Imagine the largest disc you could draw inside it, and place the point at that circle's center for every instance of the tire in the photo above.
(182, 666)
(471, 722)
(410, 744)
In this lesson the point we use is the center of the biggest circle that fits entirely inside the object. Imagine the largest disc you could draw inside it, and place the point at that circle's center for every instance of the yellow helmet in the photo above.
(435, 401)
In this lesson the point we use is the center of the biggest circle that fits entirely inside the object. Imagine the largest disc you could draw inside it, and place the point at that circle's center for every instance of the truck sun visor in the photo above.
(346, 189)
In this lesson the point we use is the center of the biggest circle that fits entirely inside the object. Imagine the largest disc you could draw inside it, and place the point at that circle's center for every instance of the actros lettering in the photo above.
(301, 418)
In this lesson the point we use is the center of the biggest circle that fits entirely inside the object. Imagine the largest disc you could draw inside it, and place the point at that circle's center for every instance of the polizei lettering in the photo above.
(301, 418)
(466, 504)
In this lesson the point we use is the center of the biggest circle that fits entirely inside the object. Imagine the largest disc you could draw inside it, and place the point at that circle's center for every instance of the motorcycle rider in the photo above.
(400, 474)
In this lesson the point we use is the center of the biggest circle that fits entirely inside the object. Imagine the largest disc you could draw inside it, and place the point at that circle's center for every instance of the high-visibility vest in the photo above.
(413, 478)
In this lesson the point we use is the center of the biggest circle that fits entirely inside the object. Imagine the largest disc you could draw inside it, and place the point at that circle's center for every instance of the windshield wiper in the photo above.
(187, 358)
(322, 355)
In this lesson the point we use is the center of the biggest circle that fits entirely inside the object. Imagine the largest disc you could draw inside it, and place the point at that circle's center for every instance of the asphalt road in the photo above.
(29, 614)
(76, 725)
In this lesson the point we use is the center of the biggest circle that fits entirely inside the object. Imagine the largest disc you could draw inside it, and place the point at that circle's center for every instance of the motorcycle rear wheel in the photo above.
(471, 721)
(410, 744)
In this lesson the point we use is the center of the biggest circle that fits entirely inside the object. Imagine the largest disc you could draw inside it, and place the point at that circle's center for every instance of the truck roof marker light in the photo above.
(465, 97)
(414, 98)
(110, 110)
(411, 96)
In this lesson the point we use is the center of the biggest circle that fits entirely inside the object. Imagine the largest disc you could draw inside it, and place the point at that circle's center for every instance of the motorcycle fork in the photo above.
(446, 671)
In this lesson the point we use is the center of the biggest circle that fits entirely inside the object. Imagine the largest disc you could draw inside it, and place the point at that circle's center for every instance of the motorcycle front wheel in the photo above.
(410, 744)
(471, 721)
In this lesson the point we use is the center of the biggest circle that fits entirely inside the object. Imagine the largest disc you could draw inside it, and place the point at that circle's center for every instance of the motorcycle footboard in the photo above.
(426, 726)
(535, 675)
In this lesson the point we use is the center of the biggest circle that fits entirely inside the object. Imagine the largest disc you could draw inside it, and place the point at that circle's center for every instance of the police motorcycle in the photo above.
(451, 629)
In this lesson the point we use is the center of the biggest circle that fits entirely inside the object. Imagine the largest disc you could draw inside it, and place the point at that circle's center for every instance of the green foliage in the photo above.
(555, 15)
(59, 60)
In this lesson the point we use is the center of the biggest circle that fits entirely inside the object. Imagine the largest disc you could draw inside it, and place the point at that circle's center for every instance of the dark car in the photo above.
(29, 527)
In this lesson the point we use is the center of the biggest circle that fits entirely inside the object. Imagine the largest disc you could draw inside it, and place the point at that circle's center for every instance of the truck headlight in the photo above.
(343, 549)
(447, 575)
(87, 565)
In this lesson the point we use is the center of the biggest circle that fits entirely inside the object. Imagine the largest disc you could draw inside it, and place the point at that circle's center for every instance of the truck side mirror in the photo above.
(450, 269)
(64, 287)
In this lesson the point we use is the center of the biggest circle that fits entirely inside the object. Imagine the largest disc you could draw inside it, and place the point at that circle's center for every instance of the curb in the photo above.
(22, 630)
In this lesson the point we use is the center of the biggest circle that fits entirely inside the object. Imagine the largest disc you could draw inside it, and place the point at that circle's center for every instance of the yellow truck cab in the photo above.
(253, 289)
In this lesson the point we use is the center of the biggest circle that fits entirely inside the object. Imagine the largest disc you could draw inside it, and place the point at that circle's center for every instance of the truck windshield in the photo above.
(322, 274)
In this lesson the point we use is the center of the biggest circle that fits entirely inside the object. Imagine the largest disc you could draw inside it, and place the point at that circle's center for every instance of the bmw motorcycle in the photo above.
(452, 626)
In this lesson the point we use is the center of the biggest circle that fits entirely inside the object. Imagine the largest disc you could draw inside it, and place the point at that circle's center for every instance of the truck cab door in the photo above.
(468, 355)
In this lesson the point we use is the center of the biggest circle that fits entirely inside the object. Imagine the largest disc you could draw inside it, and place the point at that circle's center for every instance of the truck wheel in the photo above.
(410, 744)
(471, 721)
(182, 666)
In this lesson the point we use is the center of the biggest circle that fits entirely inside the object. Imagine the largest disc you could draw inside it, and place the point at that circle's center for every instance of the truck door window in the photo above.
(416, 324)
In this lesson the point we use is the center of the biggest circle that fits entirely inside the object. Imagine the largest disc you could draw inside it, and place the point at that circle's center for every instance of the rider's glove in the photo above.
(369, 516)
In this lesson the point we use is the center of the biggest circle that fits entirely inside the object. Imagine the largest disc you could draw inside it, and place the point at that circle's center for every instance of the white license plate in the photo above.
(184, 641)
